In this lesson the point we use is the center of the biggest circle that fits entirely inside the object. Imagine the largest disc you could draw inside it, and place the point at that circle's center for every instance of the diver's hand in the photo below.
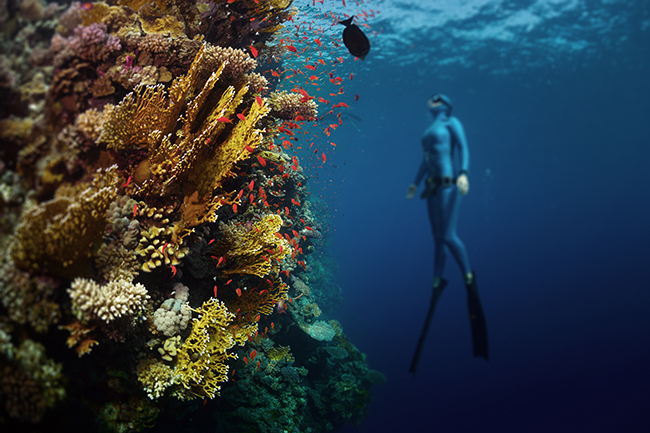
(411, 190)
(462, 183)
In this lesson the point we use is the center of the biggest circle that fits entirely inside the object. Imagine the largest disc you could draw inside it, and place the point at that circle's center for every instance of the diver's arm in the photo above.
(459, 140)
(421, 172)
(412, 189)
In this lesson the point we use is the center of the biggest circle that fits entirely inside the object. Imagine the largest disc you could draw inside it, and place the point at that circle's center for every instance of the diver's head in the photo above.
(439, 102)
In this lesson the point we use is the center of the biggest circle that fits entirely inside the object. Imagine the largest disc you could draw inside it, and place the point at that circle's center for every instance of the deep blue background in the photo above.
(557, 226)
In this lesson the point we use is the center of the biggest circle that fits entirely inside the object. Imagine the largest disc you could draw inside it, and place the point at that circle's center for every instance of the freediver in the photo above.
(443, 141)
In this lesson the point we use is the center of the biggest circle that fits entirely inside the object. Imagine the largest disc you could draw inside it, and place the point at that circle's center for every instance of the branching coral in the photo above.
(89, 123)
(114, 261)
(22, 395)
(116, 299)
(90, 43)
(288, 106)
(28, 299)
(81, 337)
(197, 150)
(237, 61)
(202, 358)
(56, 237)
(254, 249)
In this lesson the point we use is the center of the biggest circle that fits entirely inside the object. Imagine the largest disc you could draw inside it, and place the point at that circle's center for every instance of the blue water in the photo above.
(556, 223)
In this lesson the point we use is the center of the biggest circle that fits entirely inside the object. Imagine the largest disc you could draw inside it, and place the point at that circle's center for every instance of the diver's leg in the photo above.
(458, 250)
(437, 292)
(451, 205)
(436, 218)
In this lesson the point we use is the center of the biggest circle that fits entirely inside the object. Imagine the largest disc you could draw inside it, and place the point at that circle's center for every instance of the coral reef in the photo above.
(159, 256)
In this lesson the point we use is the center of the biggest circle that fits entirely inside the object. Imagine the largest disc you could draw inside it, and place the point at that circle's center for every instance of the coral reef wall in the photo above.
(157, 245)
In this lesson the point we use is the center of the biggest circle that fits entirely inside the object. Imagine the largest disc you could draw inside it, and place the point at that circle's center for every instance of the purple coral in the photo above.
(90, 43)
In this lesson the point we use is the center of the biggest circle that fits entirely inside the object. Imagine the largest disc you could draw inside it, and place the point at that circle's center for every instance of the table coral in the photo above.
(320, 331)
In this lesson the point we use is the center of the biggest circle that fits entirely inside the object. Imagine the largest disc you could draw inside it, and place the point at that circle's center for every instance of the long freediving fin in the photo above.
(437, 292)
(477, 320)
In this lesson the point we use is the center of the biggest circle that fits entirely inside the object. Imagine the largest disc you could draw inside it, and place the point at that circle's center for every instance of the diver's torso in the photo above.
(436, 143)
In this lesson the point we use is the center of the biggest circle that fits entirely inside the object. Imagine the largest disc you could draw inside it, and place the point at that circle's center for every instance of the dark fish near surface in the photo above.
(354, 39)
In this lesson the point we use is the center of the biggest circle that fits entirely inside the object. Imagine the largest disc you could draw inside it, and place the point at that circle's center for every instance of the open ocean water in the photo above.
(555, 100)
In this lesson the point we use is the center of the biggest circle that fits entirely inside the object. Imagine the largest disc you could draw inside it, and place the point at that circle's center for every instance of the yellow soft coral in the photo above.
(257, 249)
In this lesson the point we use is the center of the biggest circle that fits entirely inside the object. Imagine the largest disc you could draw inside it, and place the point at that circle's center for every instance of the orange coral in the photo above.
(79, 337)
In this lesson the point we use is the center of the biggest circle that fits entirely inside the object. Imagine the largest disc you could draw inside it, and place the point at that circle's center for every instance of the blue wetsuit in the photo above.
(441, 140)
